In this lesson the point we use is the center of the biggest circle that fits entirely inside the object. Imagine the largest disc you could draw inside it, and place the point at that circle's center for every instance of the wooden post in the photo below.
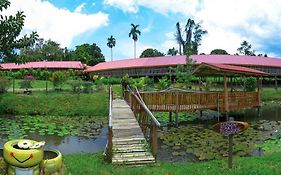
(13, 85)
(46, 86)
(154, 139)
(226, 104)
(170, 117)
(109, 145)
(259, 90)
(177, 109)
(177, 119)
(230, 150)
(231, 84)
(276, 83)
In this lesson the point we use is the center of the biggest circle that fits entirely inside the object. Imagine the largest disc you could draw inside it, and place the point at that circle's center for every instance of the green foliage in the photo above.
(151, 53)
(4, 83)
(250, 83)
(163, 83)
(55, 104)
(88, 87)
(143, 83)
(11, 27)
(59, 78)
(134, 32)
(87, 54)
(76, 85)
(218, 52)
(269, 94)
(184, 73)
(25, 84)
(43, 51)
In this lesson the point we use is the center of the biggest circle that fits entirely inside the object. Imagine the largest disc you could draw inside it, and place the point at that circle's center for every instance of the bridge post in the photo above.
(154, 139)
(109, 145)
(170, 117)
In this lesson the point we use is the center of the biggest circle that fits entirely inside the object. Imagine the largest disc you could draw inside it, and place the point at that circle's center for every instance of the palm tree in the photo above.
(179, 37)
(134, 33)
(111, 41)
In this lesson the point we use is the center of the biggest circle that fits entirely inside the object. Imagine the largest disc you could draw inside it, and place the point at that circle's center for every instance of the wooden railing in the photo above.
(110, 134)
(187, 101)
(148, 123)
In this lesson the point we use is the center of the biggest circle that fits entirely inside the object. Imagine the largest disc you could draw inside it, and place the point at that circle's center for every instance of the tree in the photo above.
(193, 36)
(43, 51)
(245, 49)
(218, 52)
(87, 54)
(151, 53)
(10, 29)
(134, 34)
(111, 43)
(172, 52)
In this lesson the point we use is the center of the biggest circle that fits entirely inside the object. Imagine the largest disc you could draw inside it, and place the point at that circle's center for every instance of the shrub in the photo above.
(163, 83)
(143, 83)
(250, 84)
(75, 85)
(26, 83)
(4, 84)
(88, 87)
(59, 78)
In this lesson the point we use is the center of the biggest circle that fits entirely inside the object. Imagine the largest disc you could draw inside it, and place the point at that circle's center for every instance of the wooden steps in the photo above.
(129, 144)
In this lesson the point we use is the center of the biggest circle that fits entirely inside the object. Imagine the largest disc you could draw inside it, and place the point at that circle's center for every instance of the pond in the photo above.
(194, 140)
(68, 135)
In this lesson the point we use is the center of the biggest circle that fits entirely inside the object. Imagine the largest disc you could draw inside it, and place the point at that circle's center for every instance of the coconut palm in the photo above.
(111, 41)
(134, 34)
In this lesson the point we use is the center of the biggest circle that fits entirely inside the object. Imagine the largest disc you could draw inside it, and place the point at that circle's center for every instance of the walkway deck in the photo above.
(129, 144)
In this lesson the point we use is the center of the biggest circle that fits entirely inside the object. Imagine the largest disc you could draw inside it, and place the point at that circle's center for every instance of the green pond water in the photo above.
(66, 134)
(194, 139)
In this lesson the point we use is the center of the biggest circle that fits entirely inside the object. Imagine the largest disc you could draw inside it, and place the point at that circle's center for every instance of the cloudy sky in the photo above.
(228, 22)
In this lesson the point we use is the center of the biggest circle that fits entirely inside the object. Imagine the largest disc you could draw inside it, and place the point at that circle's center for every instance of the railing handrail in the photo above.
(110, 107)
(141, 102)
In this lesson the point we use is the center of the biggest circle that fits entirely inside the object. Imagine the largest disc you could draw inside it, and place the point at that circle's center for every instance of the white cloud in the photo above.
(80, 8)
(228, 21)
(160, 6)
(60, 25)
(125, 5)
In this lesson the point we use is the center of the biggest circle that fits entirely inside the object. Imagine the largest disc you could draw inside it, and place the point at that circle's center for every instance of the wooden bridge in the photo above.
(133, 128)
(128, 141)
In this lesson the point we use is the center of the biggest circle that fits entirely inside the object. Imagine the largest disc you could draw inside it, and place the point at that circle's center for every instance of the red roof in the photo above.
(45, 64)
(229, 68)
(181, 59)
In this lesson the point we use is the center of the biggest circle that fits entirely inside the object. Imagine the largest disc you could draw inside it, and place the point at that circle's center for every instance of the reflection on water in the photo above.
(71, 144)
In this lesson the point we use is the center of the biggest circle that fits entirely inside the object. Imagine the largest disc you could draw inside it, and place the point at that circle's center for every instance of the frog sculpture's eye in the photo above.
(25, 144)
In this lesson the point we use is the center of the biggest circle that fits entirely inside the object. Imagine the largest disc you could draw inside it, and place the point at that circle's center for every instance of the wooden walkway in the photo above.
(129, 145)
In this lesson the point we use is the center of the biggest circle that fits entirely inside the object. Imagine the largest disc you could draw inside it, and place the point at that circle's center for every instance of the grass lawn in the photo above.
(54, 104)
(93, 164)
(268, 94)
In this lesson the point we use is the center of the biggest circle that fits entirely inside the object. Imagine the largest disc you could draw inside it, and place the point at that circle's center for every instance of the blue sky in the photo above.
(74, 22)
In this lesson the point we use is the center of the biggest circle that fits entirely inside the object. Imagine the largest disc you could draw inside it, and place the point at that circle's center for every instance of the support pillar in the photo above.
(276, 83)
(226, 104)
(177, 119)
(170, 117)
